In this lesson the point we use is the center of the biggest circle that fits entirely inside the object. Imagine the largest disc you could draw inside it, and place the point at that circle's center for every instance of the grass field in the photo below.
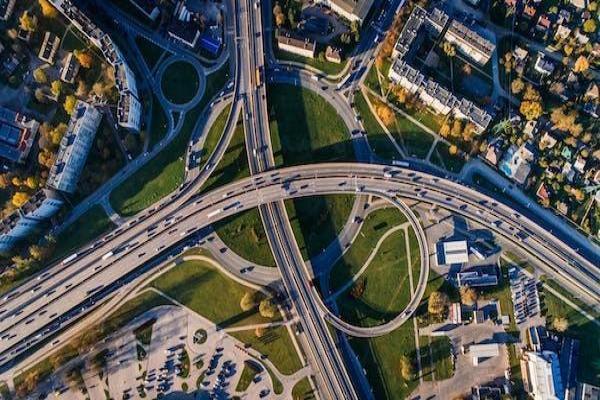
(374, 227)
(378, 140)
(302, 390)
(248, 373)
(165, 172)
(244, 234)
(442, 158)
(277, 345)
(158, 126)
(205, 290)
(316, 221)
(86, 228)
(180, 82)
(436, 358)
(380, 357)
(149, 50)
(327, 67)
(305, 128)
(579, 328)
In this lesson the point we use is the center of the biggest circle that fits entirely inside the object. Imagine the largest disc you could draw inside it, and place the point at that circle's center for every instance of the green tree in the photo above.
(437, 303)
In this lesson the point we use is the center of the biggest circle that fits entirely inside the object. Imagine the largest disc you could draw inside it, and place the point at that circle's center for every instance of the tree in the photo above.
(40, 96)
(560, 324)
(445, 129)
(589, 26)
(581, 64)
(280, 20)
(28, 22)
(468, 295)
(531, 109)
(468, 132)
(38, 252)
(437, 303)
(47, 9)
(40, 75)
(82, 89)
(267, 308)
(69, 104)
(32, 182)
(260, 331)
(517, 86)
(56, 88)
(592, 6)
(247, 302)
(452, 150)
(407, 369)
(467, 69)
(19, 198)
(84, 58)
(457, 128)
(385, 113)
(358, 288)
(449, 49)
(46, 158)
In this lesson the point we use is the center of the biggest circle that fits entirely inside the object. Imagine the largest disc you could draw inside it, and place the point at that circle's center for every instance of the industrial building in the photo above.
(541, 375)
(352, 10)
(480, 276)
(452, 252)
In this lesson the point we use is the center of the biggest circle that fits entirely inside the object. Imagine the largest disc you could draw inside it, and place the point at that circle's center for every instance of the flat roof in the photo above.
(484, 350)
(456, 252)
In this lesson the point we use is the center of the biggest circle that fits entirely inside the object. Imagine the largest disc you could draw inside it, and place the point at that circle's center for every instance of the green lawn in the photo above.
(372, 81)
(436, 358)
(327, 67)
(302, 390)
(387, 286)
(305, 128)
(380, 357)
(276, 344)
(165, 172)
(86, 228)
(248, 373)
(72, 41)
(158, 126)
(442, 158)
(582, 329)
(207, 291)
(378, 140)
(317, 221)
(149, 50)
(244, 234)
(180, 82)
(374, 227)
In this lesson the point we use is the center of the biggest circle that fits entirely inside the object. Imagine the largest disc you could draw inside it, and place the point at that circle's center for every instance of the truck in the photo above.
(107, 255)
(258, 76)
(213, 213)
(69, 259)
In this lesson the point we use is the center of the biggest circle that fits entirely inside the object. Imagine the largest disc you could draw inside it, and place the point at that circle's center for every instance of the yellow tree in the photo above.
(468, 295)
(386, 114)
(437, 303)
(581, 64)
(69, 104)
(589, 26)
(247, 302)
(19, 198)
(48, 9)
(28, 22)
(267, 309)
(39, 75)
(56, 88)
(560, 324)
(84, 58)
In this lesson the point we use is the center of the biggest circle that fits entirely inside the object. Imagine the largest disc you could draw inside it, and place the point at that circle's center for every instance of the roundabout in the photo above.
(182, 82)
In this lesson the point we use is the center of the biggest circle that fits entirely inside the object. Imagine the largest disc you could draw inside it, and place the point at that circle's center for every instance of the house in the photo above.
(147, 7)
(406, 76)
(70, 69)
(579, 3)
(562, 208)
(24, 35)
(579, 164)
(74, 148)
(292, 43)
(562, 32)
(520, 56)
(49, 47)
(564, 17)
(543, 65)
(10, 63)
(494, 151)
(17, 134)
(543, 23)
(541, 375)
(542, 193)
(510, 3)
(547, 141)
(529, 11)
(516, 163)
(333, 54)
(568, 172)
(592, 92)
(530, 128)
(470, 42)
(6, 9)
(566, 153)
(352, 10)
(440, 99)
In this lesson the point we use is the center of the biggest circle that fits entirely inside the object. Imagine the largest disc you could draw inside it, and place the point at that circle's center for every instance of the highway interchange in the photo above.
(51, 301)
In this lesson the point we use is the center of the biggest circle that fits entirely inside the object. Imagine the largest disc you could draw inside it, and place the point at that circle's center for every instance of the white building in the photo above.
(291, 43)
(352, 10)
(480, 352)
(49, 48)
(74, 148)
(470, 42)
(543, 380)
(452, 252)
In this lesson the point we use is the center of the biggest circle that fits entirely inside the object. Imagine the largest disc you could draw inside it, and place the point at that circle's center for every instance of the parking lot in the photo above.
(525, 296)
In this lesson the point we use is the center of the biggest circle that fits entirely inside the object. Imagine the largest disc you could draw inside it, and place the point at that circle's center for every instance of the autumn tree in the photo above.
(32, 182)
(56, 88)
(267, 308)
(560, 324)
(248, 301)
(28, 22)
(69, 104)
(279, 15)
(358, 288)
(452, 150)
(589, 26)
(445, 129)
(581, 64)
(260, 331)
(531, 106)
(84, 58)
(468, 295)
(437, 303)
(47, 9)
(40, 96)
(385, 113)
(19, 198)
(457, 128)
(39, 75)
(517, 86)
(407, 370)
(449, 49)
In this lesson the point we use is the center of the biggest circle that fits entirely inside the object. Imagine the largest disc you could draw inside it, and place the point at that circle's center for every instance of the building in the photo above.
(126, 84)
(486, 393)
(408, 77)
(17, 134)
(352, 10)
(469, 42)
(480, 276)
(6, 9)
(516, 163)
(211, 44)
(455, 313)
(295, 44)
(452, 252)
(42, 206)
(147, 7)
(70, 69)
(543, 65)
(333, 54)
(49, 47)
(541, 375)
(481, 352)
(74, 148)
(184, 33)
(437, 97)
(585, 391)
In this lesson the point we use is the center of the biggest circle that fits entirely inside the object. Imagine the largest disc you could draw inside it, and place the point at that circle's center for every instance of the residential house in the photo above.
(17, 134)
(543, 23)
(547, 141)
(333, 54)
(520, 57)
(543, 65)
(529, 11)
(516, 163)
(295, 44)
(542, 193)
(562, 32)
(579, 164)
(470, 42)
(494, 152)
(352, 10)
